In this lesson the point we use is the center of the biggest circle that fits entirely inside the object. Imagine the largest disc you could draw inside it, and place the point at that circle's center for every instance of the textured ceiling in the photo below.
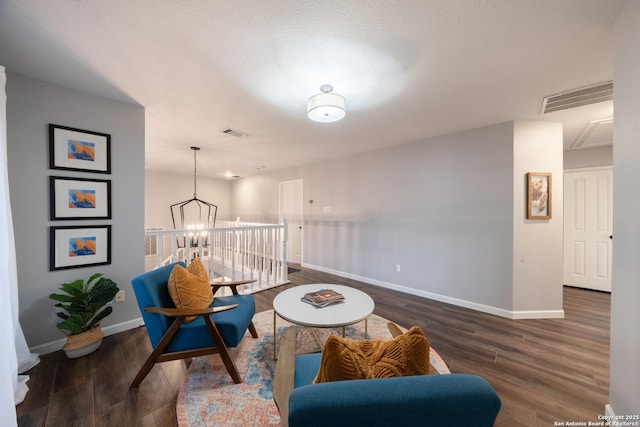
(409, 70)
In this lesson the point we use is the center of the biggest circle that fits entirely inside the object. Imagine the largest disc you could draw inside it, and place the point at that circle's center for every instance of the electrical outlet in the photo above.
(120, 296)
(397, 269)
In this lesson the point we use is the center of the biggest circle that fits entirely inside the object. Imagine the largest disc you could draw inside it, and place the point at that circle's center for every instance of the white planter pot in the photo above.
(84, 343)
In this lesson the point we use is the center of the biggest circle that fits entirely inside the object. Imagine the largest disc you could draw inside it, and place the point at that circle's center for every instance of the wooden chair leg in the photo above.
(394, 329)
(224, 351)
(252, 330)
(284, 374)
(155, 354)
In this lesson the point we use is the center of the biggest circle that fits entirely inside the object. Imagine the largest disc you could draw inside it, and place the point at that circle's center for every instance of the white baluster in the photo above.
(285, 235)
(159, 248)
(223, 245)
(235, 252)
(174, 248)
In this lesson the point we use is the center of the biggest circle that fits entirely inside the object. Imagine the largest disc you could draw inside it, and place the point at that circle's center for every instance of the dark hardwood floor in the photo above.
(543, 370)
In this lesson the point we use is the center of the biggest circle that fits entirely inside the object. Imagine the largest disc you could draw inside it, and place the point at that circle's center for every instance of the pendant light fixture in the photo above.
(194, 214)
(326, 107)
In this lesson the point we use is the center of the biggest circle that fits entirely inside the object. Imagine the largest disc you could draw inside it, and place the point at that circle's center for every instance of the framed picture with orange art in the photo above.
(79, 150)
(75, 247)
(79, 198)
(539, 195)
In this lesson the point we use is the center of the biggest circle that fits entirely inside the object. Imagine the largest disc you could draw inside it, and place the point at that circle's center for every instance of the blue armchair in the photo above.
(452, 400)
(218, 327)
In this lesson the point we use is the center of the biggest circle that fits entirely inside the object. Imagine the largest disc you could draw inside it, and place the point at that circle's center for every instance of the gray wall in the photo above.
(624, 384)
(164, 189)
(538, 244)
(588, 158)
(443, 209)
(255, 199)
(31, 106)
(427, 206)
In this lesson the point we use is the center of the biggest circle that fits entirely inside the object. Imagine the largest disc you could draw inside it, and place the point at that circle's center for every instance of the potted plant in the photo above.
(82, 310)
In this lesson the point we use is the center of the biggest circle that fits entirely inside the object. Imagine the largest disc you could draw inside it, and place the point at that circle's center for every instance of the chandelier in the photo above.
(194, 215)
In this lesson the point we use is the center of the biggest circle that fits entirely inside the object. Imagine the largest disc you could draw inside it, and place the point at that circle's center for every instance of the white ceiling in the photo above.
(409, 69)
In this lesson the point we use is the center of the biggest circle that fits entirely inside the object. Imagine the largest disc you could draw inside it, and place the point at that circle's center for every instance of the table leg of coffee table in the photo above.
(366, 326)
(275, 355)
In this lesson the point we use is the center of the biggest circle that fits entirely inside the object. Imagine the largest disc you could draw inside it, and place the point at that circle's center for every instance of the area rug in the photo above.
(209, 397)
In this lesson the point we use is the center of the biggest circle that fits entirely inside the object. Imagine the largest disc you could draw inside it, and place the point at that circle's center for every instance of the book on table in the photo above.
(323, 298)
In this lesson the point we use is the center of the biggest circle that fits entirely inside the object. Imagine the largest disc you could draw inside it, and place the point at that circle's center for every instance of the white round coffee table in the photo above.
(357, 306)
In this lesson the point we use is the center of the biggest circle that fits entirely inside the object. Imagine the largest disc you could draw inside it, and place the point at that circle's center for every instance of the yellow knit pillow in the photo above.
(189, 287)
(197, 267)
(346, 359)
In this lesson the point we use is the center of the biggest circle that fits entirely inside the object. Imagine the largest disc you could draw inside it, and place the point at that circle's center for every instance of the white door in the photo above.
(587, 228)
(291, 210)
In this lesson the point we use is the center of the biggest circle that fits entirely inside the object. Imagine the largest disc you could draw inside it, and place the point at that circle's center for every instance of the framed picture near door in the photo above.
(539, 195)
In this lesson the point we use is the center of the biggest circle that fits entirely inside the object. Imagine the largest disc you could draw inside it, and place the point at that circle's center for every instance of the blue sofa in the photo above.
(452, 400)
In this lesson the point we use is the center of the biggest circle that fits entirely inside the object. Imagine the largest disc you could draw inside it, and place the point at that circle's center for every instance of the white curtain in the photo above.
(15, 356)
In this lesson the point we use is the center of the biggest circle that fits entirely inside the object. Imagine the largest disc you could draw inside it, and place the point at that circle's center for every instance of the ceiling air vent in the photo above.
(578, 97)
(236, 133)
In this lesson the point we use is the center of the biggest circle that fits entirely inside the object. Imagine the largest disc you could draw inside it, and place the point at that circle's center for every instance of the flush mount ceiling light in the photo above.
(326, 107)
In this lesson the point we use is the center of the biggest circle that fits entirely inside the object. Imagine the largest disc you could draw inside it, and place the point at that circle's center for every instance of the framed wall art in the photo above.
(79, 150)
(75, 247)
(538, 195)
(79, 198)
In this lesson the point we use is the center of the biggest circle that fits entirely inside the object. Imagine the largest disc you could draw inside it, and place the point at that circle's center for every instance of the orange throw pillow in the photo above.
(189, 287)
(197, 267)
(346, 359)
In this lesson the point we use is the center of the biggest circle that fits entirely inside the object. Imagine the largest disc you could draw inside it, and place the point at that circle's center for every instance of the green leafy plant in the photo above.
(82, 302)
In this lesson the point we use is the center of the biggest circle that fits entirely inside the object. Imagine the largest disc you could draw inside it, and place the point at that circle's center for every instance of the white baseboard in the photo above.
(532, 314)
(538, 314)
(541, 314)
(608, 411)
(56, 345)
